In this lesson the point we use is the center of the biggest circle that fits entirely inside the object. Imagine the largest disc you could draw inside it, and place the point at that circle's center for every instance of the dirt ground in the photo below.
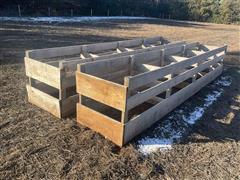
(36, 145)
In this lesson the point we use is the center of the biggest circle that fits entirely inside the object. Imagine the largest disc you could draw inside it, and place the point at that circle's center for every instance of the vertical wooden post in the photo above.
(184, 50)
(91, 13)
(80, 69)
(32, 82)
(194, 77)
(71, 12)
(124, 115)
(162, 57)
(19, 11)
(108, 12)
(168, 92)
(131, 64)
(62, 90)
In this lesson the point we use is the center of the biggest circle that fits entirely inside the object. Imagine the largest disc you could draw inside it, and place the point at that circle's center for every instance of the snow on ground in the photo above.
(172, 129)
(70, 19)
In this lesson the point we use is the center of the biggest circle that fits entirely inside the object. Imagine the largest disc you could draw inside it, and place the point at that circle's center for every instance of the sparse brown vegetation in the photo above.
(36, 145)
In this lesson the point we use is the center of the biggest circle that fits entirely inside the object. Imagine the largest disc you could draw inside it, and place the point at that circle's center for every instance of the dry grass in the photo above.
(36, 145)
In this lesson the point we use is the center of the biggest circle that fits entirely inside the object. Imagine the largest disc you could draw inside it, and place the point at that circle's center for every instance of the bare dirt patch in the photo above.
(36, 145)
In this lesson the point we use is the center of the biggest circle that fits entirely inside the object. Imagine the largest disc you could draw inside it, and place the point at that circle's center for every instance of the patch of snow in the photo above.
(165, 134)
(70, 19)
(194, 116)
(224, 81)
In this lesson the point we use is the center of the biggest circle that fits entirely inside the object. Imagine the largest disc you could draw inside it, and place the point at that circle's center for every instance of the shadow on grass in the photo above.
(222, 121)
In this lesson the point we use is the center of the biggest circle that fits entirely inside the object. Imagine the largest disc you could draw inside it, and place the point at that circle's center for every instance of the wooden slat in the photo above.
(173, 50)
(146, 57)
(106, 66)
(53, 52)
(43, 72)
(99, 47)
(130, 43)
(98, 122)
(44, 101)
(149, 117)
(161, 87)
(106, 92)
(142, 79)
(152, 41)
(71, 65)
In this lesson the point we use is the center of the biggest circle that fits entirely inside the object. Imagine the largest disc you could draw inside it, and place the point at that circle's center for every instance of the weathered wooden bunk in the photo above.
(122, 96)
(51, 71)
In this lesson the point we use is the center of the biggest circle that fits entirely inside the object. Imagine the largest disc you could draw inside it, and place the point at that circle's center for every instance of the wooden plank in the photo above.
(130, 43)
(43, 72)
(44, 101)
(143, 96)
(142, 79)
(100, 123)
(106, 66)
(149, 117)
(106, 92)
(152, 41)
(146, 57)
(173, 50)
(71, 65)
(99, 47)
(53, 52)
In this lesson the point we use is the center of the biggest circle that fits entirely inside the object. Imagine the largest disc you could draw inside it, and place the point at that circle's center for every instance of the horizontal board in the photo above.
(71, 65)
(106, 92)
(72, 50)
(161, 87)
(146, 57)
(105, 66)
(142, 79)
(43, 72)
(44, 101)
(99, 47)
(149, 117)
(100, 123)
(53, 52)
(152, 41)
(130, 43)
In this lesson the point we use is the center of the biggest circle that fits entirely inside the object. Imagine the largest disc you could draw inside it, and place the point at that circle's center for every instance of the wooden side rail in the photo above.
(141, 79)
(86, 49)
(127, 96)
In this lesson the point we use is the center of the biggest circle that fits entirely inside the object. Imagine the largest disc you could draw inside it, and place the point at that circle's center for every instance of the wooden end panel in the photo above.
(100, 123)
(101, 90)
(44, 101)
(43, 72)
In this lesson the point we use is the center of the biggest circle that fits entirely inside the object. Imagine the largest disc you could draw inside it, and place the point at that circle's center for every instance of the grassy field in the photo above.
(36, 145)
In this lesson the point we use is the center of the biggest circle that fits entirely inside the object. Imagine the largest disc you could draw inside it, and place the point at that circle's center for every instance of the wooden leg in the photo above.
(168, 92)
(32, 82)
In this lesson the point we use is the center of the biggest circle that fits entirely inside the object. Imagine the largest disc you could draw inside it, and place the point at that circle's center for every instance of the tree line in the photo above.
(219, 11)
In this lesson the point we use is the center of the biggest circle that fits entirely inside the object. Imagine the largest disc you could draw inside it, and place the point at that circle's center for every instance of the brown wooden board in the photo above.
(106, 126)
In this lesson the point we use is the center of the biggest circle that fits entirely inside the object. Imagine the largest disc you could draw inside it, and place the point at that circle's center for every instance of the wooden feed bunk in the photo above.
(51, 71)
(123, 96)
